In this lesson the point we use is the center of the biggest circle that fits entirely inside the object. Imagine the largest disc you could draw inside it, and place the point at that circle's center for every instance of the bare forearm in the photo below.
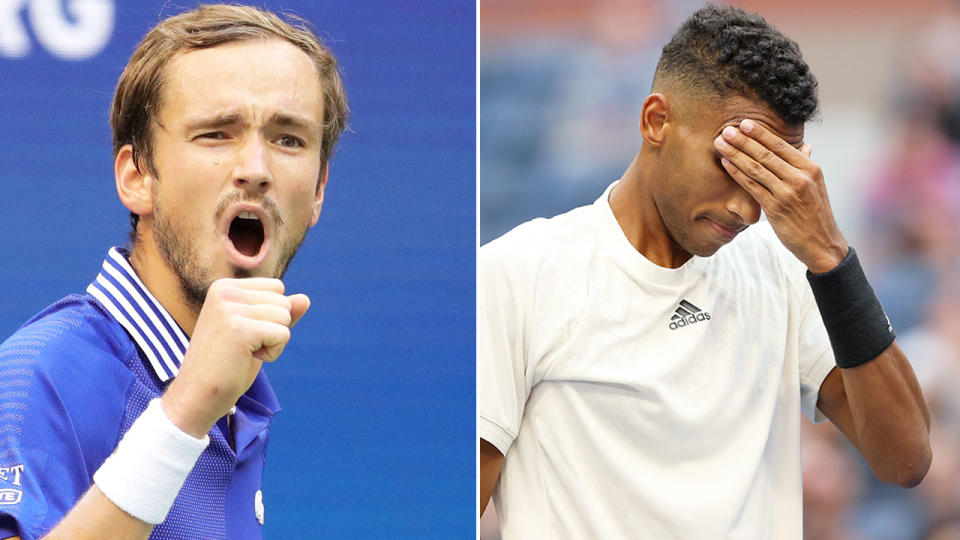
(875, 401)
(95, 517)
(891, 422)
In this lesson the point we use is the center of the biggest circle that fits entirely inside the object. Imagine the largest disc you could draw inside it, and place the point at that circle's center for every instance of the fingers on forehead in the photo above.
(761, 149)
(774, 142)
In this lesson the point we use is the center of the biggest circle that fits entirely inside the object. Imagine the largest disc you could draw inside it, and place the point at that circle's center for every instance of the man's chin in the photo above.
(706, 251)
(240, 273)
(260, 271)
(710, 246)
(267, 269)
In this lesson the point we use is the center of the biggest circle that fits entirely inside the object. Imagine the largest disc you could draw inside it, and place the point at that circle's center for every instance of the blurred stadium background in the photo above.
(561, 84)
(379, 378)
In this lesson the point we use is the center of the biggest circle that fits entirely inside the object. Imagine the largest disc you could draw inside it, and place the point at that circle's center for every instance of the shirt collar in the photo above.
(125, 297)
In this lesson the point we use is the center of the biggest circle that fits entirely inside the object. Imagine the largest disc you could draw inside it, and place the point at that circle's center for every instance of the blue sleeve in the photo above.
(62, 395)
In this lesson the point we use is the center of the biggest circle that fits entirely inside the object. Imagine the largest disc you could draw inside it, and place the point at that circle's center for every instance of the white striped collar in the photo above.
(125, 297)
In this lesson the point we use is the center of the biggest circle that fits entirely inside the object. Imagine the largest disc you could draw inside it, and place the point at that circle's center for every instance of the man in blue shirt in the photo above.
(140, 408)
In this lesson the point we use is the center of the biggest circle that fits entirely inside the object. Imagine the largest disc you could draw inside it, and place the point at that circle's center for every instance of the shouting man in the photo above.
(643, 361)
(140, 408)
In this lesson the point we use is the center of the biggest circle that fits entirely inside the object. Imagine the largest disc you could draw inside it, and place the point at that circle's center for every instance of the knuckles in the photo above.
(779, 146)
(235, 323)
(222, 292)
(754, 169)
(816, 172)
(765, 156)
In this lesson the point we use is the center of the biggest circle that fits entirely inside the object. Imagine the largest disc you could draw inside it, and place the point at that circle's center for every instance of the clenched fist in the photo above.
(243, 323)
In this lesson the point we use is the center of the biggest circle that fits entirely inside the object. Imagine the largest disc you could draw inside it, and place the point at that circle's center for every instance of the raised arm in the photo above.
(873, 396)
(243, 323)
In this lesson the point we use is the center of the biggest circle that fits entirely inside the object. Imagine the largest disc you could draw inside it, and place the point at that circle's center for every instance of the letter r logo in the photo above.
(81, 35)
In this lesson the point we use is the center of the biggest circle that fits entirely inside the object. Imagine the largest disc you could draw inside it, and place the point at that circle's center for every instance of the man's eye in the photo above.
(215, 135)
(290, 141)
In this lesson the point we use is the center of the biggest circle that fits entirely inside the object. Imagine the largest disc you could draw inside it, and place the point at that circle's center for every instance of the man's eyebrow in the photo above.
(215, 122)
(294, 121)
(235, 118)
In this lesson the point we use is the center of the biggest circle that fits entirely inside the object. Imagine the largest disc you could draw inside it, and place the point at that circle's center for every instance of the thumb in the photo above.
(300, 304)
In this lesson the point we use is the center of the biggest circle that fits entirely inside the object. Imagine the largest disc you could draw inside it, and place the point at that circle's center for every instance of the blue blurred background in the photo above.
(377, 435)
(561, 86)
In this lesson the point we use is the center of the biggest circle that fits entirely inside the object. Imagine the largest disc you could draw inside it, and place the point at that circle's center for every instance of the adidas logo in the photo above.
(687, 314)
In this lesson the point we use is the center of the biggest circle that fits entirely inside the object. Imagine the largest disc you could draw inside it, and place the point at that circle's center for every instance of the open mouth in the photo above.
(246, 233)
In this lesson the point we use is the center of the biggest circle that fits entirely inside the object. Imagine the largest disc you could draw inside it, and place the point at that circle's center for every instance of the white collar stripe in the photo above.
(132, 316)
(117, 314)
(125, 267)
(131, 292)
(124, 296)
(136, 316)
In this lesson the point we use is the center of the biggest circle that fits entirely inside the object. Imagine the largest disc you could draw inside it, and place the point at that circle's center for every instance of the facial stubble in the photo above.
(181, 256)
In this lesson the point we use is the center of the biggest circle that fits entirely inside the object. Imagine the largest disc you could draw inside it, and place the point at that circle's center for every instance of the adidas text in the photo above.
(692, 319)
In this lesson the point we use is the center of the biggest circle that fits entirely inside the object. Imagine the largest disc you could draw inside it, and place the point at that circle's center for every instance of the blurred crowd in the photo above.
(912, 234)
(558, 123)
(559, 101)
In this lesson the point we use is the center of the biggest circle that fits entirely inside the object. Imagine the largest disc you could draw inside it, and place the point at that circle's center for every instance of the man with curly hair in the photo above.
(635, 380)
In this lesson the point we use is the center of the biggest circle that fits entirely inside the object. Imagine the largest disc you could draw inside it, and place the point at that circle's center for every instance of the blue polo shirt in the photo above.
(72, 381)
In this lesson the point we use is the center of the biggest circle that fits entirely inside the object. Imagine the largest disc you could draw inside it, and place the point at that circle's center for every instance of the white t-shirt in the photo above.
(636, 401)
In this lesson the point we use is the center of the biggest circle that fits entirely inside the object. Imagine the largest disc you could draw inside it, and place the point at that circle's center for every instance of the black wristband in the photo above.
(859, 330)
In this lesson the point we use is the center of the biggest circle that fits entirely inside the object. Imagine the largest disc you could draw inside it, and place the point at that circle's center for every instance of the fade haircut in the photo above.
(725, 51)
(137, 99)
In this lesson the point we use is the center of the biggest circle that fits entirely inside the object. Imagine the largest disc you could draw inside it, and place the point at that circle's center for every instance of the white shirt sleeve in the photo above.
(816, 358)
(503, 384)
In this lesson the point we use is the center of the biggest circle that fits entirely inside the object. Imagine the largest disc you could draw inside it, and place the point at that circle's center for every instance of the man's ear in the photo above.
(134, 187)
(318, 198)
(654, 117)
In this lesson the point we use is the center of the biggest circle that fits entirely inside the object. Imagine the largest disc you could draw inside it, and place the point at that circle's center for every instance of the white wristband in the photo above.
(148, 467)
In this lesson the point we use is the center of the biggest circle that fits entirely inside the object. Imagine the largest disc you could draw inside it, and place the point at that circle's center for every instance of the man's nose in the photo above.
(252, 172)
(745, 207)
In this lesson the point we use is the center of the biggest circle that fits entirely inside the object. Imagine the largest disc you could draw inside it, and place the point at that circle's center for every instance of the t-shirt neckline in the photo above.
(634, 262)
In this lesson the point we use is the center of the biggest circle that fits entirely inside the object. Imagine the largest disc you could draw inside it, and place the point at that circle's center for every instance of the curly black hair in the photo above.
(730, 51)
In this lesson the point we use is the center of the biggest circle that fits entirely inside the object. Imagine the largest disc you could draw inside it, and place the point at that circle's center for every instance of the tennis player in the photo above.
(140, 408)
(643, 362)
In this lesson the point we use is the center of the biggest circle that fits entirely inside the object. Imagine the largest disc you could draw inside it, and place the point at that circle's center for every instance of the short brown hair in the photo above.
(139, 89)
